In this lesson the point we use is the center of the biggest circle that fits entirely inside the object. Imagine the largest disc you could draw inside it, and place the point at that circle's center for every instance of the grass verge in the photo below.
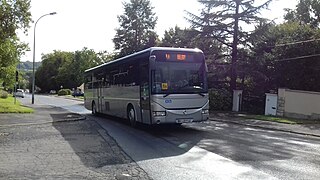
(77, 97)
(282, 119)
(7, 106)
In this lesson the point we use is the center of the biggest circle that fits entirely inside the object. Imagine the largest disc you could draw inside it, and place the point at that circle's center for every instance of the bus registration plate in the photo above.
(184, 120)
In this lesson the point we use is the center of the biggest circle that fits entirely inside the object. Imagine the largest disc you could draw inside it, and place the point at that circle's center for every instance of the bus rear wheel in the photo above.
(94, 108)
(131, 116)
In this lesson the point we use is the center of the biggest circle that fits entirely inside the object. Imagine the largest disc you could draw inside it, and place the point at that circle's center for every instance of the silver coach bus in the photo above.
(154, 86)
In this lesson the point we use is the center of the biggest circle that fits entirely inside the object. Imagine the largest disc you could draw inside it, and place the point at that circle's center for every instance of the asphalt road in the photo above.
(210, 150)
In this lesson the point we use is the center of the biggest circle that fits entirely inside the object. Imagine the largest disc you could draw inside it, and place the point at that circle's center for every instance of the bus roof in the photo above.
(196, 50)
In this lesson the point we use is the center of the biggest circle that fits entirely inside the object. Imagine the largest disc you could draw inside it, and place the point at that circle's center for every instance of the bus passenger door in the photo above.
(100, 98)
(145, 93)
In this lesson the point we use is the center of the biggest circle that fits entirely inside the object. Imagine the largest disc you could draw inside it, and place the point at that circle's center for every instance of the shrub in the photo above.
(220, 99)
(69, 91)
(3, 94)
(64, 92)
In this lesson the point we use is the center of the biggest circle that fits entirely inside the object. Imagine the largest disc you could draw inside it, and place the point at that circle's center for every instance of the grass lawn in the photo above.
(7, 106)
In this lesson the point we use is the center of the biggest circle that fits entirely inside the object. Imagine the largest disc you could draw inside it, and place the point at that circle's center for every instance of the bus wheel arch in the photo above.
(94, 108)
(131, 115)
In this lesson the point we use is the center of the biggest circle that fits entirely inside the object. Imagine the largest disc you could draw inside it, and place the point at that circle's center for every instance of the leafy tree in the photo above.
(136, 31)
(286, 59)
(70, 74)
(47, 74)
(222, 20)
(307, 12)
(14, 15)
(66, 69)
(177, 37)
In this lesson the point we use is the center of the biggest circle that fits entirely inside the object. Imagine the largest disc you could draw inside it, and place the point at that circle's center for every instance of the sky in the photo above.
(92, 23)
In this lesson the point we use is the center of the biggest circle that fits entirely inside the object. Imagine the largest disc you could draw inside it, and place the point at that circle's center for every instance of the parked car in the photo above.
(77, 93)
(19, 93)
(53, 92)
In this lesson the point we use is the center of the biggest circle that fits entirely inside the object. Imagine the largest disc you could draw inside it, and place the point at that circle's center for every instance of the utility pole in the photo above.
(234, 55)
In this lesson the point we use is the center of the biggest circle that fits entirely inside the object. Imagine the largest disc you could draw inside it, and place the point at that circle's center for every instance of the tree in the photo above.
(177, 37)
(47, 74)
(136, 31)
(223, 20)
(14, 15)
(66, 69)
(286, 58)
(70, 74)
(307, 12)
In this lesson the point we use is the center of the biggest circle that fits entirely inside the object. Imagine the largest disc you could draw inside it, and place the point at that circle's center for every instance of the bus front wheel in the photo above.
(131, 116)
(94, 108)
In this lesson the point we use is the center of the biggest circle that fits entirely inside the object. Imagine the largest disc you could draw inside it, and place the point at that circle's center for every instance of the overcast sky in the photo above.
(92, 23)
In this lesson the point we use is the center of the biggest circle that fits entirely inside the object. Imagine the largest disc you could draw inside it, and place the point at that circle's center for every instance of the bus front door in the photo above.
(145, 93)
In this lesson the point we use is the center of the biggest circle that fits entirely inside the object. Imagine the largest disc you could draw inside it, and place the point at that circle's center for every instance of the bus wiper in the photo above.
(166, 95)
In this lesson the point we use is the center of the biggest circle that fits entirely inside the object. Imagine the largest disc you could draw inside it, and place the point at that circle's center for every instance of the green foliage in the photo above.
(307, 12)
(46, 75)
(3, 94)
(177, 37)
(284, 63)
(64, 92)
(7, 76)
(14, 15)
(136, 31)
(220, 21)
(220, 99)
(66, 69)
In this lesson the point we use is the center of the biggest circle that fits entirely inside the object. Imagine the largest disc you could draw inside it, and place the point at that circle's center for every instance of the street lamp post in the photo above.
(34, 53)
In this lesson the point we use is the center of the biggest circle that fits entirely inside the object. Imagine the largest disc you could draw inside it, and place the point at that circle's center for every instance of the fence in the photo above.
(298, 104)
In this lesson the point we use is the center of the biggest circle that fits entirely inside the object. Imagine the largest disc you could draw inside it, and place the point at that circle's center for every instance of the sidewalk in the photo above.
(42, 115)
(35, 146)
(303, 129)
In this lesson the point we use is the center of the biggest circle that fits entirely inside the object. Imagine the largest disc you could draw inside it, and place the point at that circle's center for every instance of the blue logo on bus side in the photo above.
(168, 101)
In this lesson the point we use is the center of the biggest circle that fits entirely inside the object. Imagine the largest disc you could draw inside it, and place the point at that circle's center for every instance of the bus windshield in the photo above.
(177, 77)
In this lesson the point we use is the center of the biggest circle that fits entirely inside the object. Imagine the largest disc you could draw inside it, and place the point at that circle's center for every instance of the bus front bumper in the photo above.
(181, 116)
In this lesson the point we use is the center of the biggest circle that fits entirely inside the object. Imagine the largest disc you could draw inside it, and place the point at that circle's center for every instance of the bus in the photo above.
(158, 85)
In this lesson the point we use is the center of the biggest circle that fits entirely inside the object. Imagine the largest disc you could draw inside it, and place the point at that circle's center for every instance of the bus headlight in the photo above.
(205, 111)
(159, 113)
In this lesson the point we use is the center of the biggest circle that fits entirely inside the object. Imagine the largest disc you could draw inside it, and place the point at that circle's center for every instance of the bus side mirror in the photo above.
(152, 59)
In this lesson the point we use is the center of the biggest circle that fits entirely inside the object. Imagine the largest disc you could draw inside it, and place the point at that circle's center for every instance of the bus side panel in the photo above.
(117, 99)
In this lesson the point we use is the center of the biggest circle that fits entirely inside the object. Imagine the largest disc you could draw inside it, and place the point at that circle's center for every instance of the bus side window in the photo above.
(88, 81)
(106, 82)
(131, 77)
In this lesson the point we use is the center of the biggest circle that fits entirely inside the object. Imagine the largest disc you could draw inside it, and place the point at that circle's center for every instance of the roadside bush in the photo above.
(64, 92)
(3, 94)
(69, 91)
(220, 100)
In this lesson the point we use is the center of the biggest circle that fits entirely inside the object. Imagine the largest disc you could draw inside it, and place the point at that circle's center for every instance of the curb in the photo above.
(263, 127)
(81, 118)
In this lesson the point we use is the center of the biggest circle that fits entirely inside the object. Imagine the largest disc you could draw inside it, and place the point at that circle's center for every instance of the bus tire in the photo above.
(94, 108)
(131, 114)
